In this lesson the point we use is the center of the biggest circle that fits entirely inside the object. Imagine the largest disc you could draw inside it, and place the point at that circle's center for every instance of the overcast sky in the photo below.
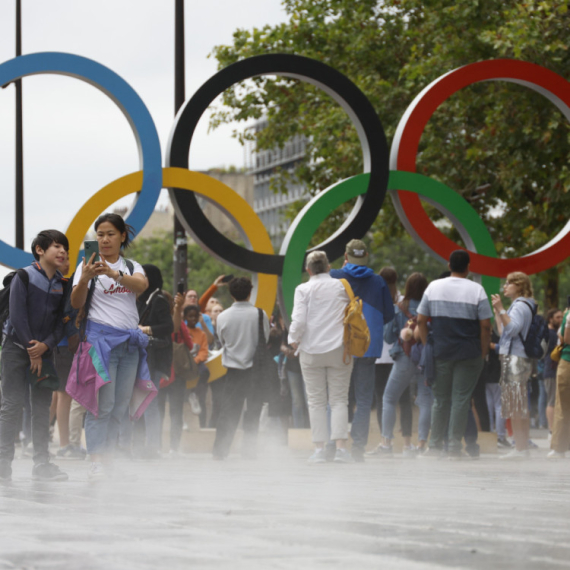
(75, 139)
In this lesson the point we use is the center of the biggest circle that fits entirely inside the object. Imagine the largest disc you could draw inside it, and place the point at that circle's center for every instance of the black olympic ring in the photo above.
(343, 91)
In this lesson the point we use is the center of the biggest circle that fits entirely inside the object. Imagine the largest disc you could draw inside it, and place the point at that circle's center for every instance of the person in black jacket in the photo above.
(155, 321)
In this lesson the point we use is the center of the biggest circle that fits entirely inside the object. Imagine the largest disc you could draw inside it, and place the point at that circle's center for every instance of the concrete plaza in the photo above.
(278, 512)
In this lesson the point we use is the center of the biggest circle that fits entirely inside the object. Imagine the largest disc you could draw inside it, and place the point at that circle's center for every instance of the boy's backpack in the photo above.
(406, 339)
(5, 296)
(356, 332)
(536, 341)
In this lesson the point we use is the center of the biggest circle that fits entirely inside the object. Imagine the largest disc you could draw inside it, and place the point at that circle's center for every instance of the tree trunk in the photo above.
(551, 289)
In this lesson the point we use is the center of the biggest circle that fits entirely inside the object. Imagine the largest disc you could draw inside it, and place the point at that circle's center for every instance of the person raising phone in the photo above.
(105, 291)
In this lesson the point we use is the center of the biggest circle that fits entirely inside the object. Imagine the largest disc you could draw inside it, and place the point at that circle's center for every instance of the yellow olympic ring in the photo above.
(204, 185)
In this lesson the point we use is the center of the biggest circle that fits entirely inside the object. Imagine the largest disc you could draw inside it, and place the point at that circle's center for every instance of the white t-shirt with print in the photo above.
(113, 304)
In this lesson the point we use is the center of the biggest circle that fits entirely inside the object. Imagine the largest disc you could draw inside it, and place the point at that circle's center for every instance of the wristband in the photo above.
(120, 277)
(502, 312)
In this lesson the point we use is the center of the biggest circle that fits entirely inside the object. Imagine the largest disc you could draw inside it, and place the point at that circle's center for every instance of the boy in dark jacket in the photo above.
(34, 329)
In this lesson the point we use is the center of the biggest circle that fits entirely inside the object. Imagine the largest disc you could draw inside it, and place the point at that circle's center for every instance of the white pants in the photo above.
(327, 379)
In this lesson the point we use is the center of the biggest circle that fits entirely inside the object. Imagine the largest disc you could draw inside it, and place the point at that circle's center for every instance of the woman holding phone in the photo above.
(105, 292)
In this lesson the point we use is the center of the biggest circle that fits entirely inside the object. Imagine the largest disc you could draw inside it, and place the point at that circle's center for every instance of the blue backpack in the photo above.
(536, 341)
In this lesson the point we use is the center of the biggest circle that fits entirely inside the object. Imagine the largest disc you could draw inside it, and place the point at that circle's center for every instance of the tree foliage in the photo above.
(503, 147)
(202, 267)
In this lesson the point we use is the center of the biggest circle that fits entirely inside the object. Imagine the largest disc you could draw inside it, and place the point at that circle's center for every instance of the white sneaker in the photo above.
(194, 404)
(516, 455)
(97, 472)
(553, 454)
(410, 451)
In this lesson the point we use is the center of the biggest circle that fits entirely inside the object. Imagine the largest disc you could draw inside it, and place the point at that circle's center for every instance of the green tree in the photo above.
(202, 267)
(497, 144)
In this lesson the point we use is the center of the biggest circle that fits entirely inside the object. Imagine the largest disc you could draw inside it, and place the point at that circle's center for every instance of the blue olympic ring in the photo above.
(131, 105)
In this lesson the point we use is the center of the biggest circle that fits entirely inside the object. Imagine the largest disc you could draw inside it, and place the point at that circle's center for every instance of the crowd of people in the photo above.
(106, 351)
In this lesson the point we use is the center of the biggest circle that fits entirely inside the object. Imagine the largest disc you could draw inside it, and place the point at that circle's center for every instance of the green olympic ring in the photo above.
(315, 212)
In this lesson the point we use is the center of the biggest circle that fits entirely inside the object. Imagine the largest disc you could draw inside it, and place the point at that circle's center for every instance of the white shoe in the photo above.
(552, 454)
(97, 472)
(516, 455)
(194, 404)
(410, 451)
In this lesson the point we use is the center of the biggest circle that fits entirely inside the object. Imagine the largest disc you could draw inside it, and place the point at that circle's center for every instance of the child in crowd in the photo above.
(34, 329)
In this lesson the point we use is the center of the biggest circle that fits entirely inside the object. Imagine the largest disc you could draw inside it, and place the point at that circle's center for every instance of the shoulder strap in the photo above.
(348, 288)
(130, 265)
(24, 276)
(532, 313)
(532, 310)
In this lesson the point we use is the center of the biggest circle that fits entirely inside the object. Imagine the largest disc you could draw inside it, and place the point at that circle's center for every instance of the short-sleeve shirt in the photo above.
(456, 306)
(112, 303)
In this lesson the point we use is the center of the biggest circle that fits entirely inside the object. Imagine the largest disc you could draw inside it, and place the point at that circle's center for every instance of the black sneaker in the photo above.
(504, 442)
(5, 471)
(48, 472)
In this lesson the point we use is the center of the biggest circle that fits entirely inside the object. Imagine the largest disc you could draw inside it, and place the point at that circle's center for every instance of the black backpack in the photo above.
(536, 341)
(5, 296)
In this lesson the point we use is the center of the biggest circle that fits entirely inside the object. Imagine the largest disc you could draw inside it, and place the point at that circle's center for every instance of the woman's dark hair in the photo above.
(416, 284)
(46, 238)
(390, 275)
(154, 277)
(120, 225)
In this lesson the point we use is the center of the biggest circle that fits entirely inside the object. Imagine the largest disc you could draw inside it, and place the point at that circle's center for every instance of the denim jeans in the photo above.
(15, 391)
(102, 432)
(146, 431)
(453, 387)
(299, 399)
(542, 402)
(363, 377)
(404, 373)
(496, 421)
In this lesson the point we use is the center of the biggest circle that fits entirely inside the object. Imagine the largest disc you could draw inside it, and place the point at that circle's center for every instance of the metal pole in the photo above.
(19, 139)
(180, 242)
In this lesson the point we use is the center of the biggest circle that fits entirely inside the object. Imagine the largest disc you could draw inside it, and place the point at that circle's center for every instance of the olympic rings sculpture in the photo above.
(384, 172)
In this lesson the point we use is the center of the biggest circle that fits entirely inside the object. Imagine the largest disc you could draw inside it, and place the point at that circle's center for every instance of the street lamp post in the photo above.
(19, 138)
(180, 242)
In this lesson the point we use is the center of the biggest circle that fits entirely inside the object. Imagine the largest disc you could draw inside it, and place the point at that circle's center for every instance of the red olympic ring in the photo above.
(405, 147)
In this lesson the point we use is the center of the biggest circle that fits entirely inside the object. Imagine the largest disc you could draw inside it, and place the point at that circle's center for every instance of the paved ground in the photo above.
(278, 512)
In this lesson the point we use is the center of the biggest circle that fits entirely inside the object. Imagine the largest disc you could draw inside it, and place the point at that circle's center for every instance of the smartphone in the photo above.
(227, 278)
(181, 287)
(91, 247)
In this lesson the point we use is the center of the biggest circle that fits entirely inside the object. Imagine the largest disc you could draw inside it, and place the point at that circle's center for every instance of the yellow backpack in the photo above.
(356, 332)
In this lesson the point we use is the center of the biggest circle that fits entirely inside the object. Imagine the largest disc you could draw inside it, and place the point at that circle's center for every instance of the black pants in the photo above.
(217, 388)
(239, 388)
(15, 389)
(175, 394)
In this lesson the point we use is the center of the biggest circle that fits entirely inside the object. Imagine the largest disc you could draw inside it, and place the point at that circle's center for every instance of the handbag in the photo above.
(556, 354)
(183, 362)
